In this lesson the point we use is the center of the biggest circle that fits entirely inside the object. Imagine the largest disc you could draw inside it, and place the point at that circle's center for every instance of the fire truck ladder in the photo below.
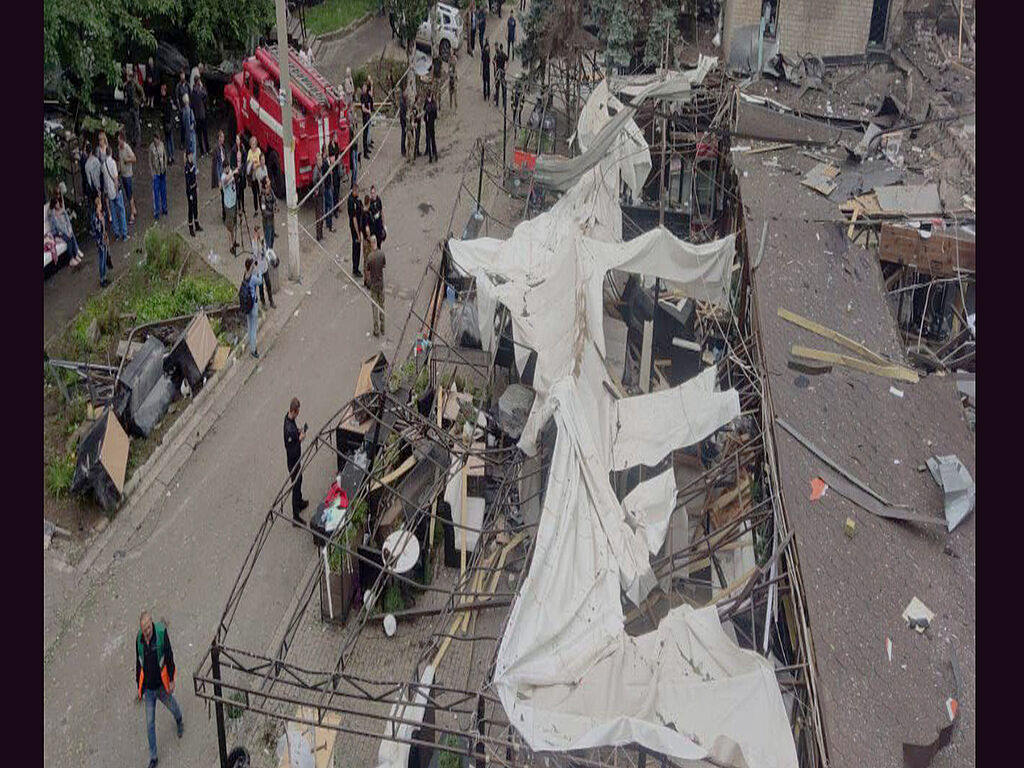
(299, 76)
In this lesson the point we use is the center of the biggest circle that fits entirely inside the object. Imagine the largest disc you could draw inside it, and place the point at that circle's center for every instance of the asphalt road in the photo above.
(183, 558)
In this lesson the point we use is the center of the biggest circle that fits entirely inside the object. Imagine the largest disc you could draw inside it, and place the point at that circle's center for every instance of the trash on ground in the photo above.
(957, 485)
(917, 615)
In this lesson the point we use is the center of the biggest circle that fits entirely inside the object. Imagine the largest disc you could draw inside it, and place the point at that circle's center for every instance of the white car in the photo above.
(448, 29)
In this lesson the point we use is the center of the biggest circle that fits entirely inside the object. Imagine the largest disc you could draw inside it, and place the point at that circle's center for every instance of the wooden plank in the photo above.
(828, 333)
(645, 356)
(897, 372)
(937, 255)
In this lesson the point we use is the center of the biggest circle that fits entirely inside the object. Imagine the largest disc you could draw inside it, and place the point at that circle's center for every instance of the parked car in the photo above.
(448, 29)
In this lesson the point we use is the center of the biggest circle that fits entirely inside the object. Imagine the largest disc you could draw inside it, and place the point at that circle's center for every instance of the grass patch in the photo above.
(332, 15)
(393, 601)
(448, 759)
(59, 475)
(159, 279)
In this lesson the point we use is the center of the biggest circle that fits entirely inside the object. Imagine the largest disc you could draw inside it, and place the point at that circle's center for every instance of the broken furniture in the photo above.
(102, 460)
(192, 352)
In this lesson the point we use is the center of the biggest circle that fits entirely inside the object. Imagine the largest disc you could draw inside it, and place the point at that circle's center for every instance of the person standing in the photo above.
(511, 35)
(192, 194)
(133, 95)
(263, 266)
(155, 673)
(293, 437)
(453, 82)
(500, 60)
(115, 198)
(417, 117)
(403, 115)
(188, 122)
(267, 208)
(229, 198)
(485, 69)
(126, 167)
(334, 155)
(471, 40)
(355, 218)
(167, 119)
(481, 22)
(430, 116)
(325, 171)
(158, 170)
(218, 163)
(375, 264)
(180, 92)
(250, 283)
(522, 6)
(353, 159)
(200, 102)
(151, 89)
(255, 170)
(98, 227)
(348, 88)
(366, 107)
(318, 194)
(376, 213)
(238, 155)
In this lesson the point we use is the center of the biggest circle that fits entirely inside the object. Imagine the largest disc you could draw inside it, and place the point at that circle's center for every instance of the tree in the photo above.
(622, 29)
(213, 25)
(663, 18)
(409, 14)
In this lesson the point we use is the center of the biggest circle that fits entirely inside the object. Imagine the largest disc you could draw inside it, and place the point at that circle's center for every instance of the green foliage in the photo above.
(533, 29)
(234, 711)
(332, 15)
(448, 759)
(192, 293)
(663, 17)
(53, 160)
(85, 43)
(422, 382)
(393, 601)
(622, 31)
(359, 77)
(59, 474)
(409, 14)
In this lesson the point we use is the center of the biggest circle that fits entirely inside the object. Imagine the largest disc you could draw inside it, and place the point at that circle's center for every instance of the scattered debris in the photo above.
(896, 392)
(850, 527)
(888, 648)
(957, 485)
(852, 493)
(821, 178)
(917, 615)
(818, 488)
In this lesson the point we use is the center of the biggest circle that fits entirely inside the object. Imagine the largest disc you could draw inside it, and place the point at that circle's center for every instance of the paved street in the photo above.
(184, 555)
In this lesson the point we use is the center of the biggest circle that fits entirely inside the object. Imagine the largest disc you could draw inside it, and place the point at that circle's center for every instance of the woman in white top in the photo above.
(349, 88)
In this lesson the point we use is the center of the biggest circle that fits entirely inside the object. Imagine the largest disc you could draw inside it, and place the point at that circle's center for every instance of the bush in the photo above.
(59, 475)
(234, 711)
(359, 77)
(393, 601)
(448, 759)
(193, 292)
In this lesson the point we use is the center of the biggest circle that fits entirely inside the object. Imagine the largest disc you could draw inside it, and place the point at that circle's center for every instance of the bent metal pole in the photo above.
(288, 139)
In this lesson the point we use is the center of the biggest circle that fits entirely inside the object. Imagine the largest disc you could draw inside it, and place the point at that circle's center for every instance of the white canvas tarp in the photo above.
(567, 673)
(395, 754)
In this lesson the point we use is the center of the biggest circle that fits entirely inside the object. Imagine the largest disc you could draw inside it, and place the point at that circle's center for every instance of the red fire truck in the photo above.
(318, 113)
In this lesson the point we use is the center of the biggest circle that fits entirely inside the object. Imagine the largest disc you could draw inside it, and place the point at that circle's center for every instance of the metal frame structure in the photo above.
(767, 609)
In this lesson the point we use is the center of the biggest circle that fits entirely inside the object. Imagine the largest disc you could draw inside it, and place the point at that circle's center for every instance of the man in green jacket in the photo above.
(154, 672)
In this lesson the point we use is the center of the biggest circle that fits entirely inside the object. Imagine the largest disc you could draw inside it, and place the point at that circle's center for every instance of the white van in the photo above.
(449, 30)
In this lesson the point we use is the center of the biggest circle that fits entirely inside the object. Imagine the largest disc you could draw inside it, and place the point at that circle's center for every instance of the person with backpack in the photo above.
(248, 302)
(154, 674)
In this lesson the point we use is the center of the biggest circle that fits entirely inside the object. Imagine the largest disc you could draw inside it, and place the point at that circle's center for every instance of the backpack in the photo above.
(245, 297)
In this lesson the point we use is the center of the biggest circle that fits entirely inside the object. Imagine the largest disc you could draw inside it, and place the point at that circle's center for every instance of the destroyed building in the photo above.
(676, 470)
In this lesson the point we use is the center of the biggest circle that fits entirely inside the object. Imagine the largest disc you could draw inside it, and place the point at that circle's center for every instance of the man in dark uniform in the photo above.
(334, 154)
(168, 117)
(430, 118)
(500, 59)
(154, 674)
(293, 437)
(355, 219)
(376, 213)
(485, 61)
(192, 194)
(318, 194)
(511, 35)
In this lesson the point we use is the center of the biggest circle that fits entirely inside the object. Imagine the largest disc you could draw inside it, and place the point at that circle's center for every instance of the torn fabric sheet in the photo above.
(395, 754)
(567, 673)
(651, 426)
(649, 508)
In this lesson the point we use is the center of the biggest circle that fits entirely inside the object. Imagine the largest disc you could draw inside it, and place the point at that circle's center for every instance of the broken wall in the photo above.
(821, 27)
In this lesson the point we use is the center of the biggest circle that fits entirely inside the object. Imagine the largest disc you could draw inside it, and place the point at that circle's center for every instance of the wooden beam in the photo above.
(937, 255)
(828, 333)
(891, 371)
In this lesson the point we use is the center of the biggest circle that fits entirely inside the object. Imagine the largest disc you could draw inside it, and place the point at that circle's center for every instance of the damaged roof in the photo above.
(856, 588)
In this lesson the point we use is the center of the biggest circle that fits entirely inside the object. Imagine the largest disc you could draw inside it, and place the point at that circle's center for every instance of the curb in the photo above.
(337, 34)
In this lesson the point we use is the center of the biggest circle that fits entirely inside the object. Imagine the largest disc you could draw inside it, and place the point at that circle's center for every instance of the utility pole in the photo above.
(285, 95)
(664, 140)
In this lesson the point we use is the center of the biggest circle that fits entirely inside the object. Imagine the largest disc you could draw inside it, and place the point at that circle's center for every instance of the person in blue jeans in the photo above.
(188, 124)
(158, 170)
(98, 227)
(253, 280)
(353, 160)
(154, 673)
(328, 186)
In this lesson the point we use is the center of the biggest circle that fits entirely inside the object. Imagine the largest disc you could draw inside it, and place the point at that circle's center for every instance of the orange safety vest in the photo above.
(161, 638)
